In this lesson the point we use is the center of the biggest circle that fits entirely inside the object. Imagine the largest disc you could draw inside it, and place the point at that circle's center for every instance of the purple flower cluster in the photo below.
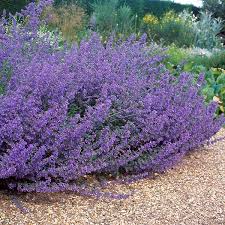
(91, 110)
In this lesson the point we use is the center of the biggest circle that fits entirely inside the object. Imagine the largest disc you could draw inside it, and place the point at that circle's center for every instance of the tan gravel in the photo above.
(190, 194)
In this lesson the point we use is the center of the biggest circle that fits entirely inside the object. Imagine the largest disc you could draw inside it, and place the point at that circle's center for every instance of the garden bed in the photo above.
(191, 193)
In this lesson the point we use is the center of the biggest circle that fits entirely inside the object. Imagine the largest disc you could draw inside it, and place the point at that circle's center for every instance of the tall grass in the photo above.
(69, 19)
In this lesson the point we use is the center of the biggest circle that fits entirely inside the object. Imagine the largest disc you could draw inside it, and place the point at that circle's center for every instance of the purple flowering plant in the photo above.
(91, 110)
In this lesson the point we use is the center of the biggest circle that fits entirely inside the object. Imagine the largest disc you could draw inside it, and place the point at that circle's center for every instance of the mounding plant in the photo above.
(111, 17)
(12, 5)
(207, 31)
(216, 7)
(91, 110)
(68, 19)
(160, 8)
(170, 28)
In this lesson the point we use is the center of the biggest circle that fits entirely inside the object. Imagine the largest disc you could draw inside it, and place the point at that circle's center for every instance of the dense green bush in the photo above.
(216, 59)
(159, 8)
(215, 87)
(176, 59)
(12, 6)
(109, 17)
(137, 6)
(184, 29)
(170, 28)
(217, 7)
(206, 31)
(85, 4)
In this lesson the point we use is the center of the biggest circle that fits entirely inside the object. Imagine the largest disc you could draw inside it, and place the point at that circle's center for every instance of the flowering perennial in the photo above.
(70, 113)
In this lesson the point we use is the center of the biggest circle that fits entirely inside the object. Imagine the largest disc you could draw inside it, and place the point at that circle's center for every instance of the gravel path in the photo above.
(190, 194)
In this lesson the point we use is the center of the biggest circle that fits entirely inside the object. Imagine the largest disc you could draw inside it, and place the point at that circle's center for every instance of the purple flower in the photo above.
(72, 112)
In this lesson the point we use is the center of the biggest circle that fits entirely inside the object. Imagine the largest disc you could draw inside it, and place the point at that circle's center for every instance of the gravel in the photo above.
(191, 193)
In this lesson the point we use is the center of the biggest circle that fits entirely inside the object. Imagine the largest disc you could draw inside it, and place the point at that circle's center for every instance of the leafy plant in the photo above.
(125, 20)
(105, 13)
(215, 88)
(137, 6)
(207, 30)
(216, 7)
(176, 59)
(111, 18)
(185, 60)
(160, 8)
(171, 28)
(214, 58)
(5, 75)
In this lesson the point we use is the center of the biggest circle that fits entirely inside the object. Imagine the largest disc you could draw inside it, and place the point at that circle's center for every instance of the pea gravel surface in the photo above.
(191, 193)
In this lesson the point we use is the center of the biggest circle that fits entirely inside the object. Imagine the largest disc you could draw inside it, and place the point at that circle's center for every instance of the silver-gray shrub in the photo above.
(206, 31)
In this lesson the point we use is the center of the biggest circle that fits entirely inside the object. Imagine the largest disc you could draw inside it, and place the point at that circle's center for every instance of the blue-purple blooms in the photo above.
(91, 109)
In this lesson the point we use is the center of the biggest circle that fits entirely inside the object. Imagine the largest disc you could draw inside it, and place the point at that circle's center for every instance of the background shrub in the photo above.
(216, 7)
(105, 13)
(12, 6)
(171, 28)
(207, 30)
(197, 61)
(109, 17)
(208, 59)
(139, 7)
(176, 29)
(125, 21)
(159, 8)
(69, 19)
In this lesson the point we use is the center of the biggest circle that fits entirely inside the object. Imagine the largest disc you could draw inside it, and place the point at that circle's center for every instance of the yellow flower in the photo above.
(171, 16)
(150, 19)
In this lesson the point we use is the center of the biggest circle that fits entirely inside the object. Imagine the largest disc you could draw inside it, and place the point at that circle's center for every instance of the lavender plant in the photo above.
(70, 113)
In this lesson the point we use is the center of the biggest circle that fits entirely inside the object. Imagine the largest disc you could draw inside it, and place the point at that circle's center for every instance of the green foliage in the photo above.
(195, 58)
(171, 28)
(5, 75)
(176, 55)
(217, 7)
(12, 6)
(216, 59)
(184, 29)
(176, 60)
(159, 8)
(105, 15)
(137, 6)
(111, 18)
(182, 60)
(215, 87)
(125, 20)
(206, 31)
(176, 29)
(87, 5)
